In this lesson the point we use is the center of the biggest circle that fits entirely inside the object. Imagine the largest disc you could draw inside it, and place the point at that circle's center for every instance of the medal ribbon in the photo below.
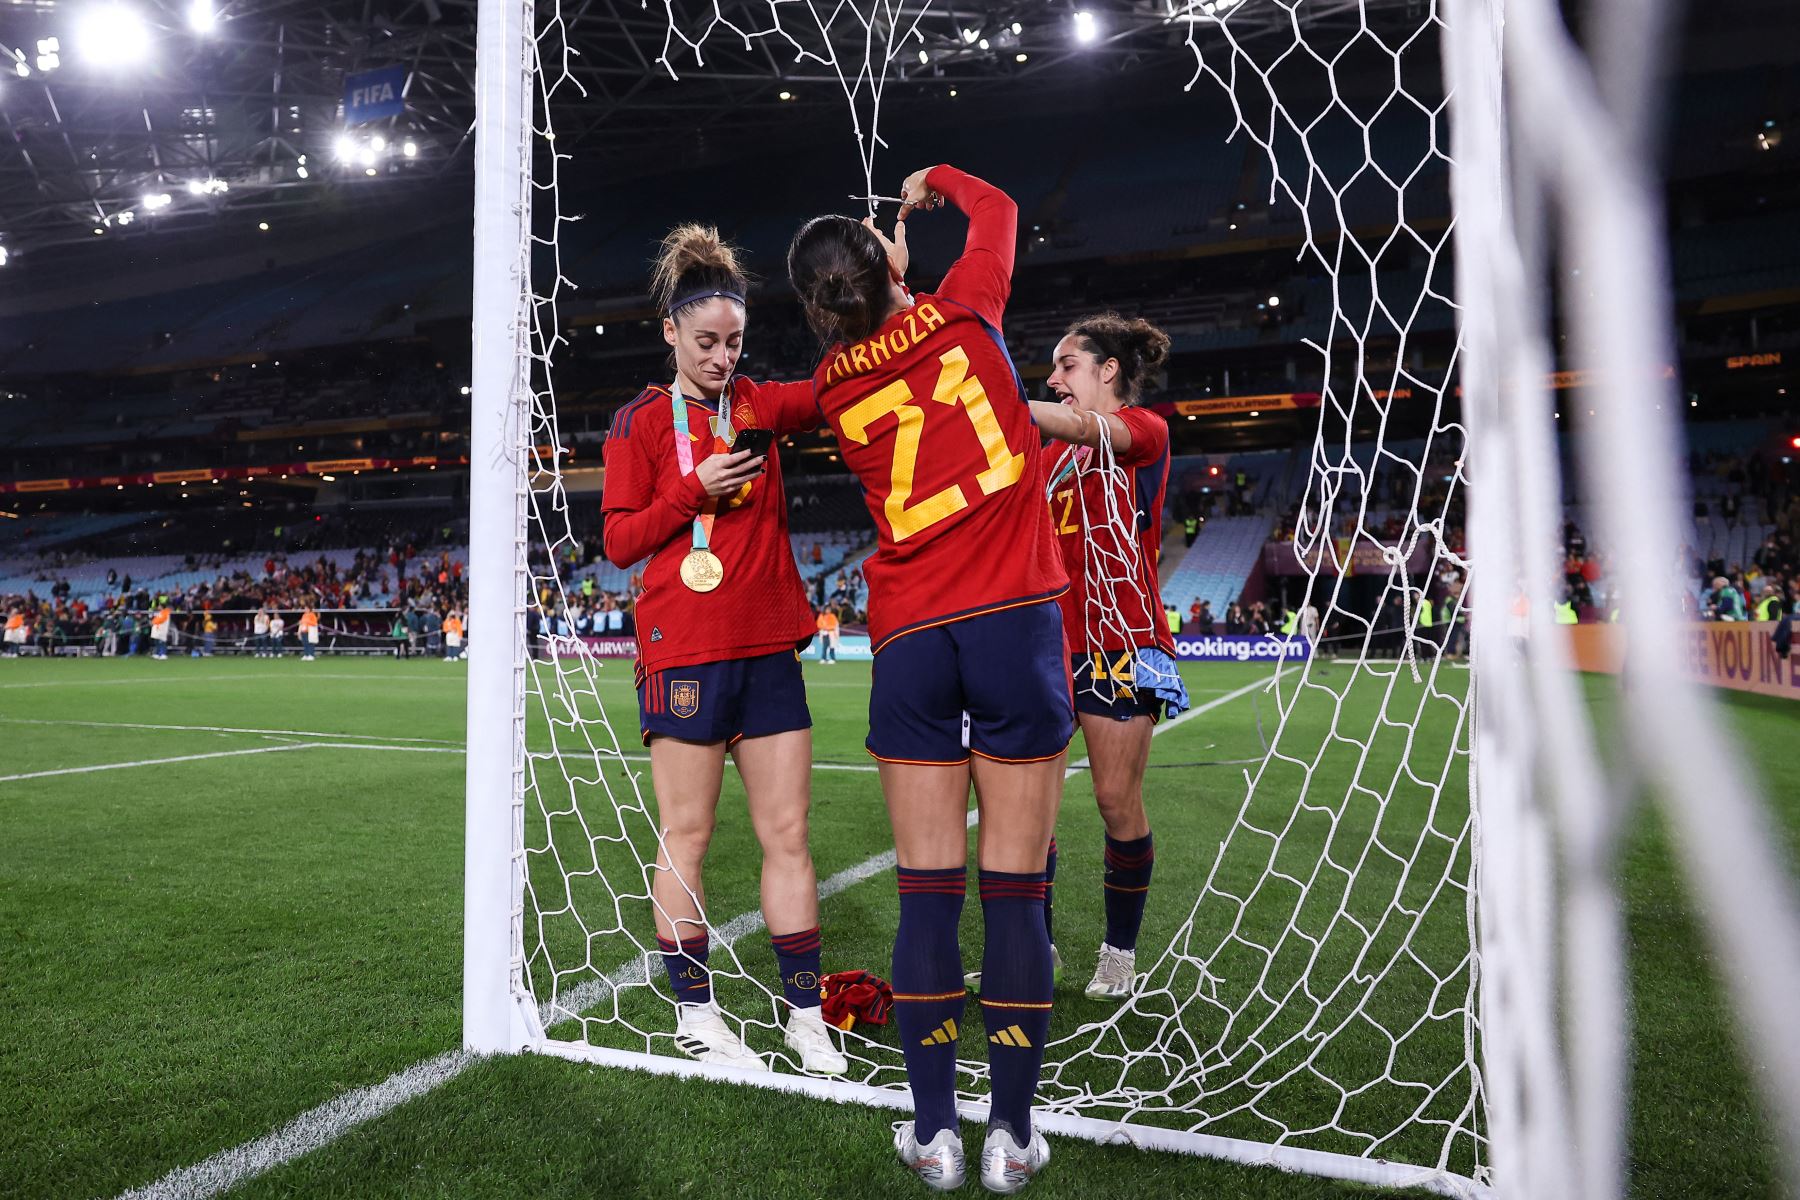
(684, 455)
(1075, 456)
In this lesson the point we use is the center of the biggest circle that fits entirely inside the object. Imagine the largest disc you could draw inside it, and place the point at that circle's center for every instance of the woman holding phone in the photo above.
(691, 486)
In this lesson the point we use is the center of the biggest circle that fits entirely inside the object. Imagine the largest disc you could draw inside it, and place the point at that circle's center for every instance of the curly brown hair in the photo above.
(1139, 347)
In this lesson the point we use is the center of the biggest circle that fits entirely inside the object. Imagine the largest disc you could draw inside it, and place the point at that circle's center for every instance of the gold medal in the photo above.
(702, 571)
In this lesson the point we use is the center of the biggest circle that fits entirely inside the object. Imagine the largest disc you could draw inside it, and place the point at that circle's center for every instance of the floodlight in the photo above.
(156, 201)
(3, 256)
(409, 148)
(202, 18)
(378, 143)
(344, 146)
(112, 35)
(367, 157)
(1274, 301)
(1086, 28)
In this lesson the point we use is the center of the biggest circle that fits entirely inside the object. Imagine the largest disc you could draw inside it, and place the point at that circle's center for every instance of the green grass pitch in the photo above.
(193, 953)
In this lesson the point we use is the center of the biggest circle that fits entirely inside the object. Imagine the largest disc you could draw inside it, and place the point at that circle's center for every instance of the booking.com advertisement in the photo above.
(1242, 647)
(852, 647)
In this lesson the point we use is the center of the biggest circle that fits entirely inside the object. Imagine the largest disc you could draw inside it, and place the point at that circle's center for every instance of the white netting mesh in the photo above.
(1321, 993)
(1121, 606)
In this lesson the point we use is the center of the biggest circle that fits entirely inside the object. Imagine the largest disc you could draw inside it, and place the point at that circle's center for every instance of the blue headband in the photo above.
(706, 294)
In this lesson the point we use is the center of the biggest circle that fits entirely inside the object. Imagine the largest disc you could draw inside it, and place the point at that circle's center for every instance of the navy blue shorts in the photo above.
(1006, 673)
(1123, 684)
(724, 701)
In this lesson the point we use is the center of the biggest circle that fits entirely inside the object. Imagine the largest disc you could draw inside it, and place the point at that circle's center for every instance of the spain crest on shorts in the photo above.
(684, 697)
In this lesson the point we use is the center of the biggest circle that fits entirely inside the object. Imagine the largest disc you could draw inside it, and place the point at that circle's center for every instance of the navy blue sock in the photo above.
(1016, 987)
(1050, 892)
(1127, 882)
(797, 957)
(928, 991)
(686, 964)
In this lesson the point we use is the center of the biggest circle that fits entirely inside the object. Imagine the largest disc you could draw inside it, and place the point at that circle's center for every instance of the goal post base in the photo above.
(1324, 1163)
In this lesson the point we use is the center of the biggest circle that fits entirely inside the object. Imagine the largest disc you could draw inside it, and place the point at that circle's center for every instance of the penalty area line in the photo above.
(312, 733)
(181, 758)
(319, 1127)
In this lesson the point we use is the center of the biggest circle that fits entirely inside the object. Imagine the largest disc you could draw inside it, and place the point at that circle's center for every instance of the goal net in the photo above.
(1373, 981)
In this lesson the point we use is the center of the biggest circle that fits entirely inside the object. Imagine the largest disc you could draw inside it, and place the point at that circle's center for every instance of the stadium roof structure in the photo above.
(136, 119)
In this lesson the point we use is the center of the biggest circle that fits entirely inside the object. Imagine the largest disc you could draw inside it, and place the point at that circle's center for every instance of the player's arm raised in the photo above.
(982, 276)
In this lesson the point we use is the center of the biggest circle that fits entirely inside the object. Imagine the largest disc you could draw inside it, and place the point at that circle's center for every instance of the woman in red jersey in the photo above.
(970, 680)
(1106, 490)
(720, 618)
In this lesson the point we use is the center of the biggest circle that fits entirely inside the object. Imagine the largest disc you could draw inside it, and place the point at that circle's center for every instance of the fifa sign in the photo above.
(374, 95)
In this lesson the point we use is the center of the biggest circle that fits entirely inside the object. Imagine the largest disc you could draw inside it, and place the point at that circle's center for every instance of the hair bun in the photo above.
(840, 272)
(1150, 343)
(694, 258)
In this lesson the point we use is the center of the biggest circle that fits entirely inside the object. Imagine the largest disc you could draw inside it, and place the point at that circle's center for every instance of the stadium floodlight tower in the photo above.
(1417, 980)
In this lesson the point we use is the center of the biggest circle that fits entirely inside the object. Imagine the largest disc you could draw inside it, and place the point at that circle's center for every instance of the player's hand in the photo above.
(724, 474)
(914, 194)
(898, 255)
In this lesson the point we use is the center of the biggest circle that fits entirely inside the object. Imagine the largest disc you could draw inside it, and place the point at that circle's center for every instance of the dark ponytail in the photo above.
(1139, 346)
(840, 272)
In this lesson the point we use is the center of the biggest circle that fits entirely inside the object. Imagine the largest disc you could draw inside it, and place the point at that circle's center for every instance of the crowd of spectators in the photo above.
(418, 589)
(413, 579)
(1768, 585)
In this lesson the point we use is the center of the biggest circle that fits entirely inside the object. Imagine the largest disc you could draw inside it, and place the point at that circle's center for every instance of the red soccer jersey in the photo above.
(1132, 616)
(649, 508)
(933, 419)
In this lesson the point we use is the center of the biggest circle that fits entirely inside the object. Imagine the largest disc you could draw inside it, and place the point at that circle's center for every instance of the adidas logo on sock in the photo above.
(1012, 1035)
(943, 1035)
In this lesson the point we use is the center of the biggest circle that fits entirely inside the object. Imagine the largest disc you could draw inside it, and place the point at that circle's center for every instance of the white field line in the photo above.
(319, 1127)
(180, 758)
(153, 762)
(174, 678)
(312, 733)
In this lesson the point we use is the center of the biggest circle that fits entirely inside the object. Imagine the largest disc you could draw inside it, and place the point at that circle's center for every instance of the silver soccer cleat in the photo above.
(1007, 1166)
(939, 1163)
(1114, 975)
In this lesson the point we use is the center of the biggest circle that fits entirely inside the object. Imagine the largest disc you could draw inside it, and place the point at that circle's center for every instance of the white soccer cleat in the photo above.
(939, 1163)
(1114, 975)
(809, 1037)
(1007, 1166)
(702, 1034)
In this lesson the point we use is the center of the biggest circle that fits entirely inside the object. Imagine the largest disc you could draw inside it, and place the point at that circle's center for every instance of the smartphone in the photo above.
(757, 441)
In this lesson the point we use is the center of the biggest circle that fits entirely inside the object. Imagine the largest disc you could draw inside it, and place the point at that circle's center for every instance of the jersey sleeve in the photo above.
(785, 407)
(982, 277)
(640, 513)
(1149, 437)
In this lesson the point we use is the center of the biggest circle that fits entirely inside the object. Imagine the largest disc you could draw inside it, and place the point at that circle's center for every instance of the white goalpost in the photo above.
(1417, 980)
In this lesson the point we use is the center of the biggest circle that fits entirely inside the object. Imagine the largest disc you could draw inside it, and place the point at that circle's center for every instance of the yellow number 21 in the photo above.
(955, 386)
